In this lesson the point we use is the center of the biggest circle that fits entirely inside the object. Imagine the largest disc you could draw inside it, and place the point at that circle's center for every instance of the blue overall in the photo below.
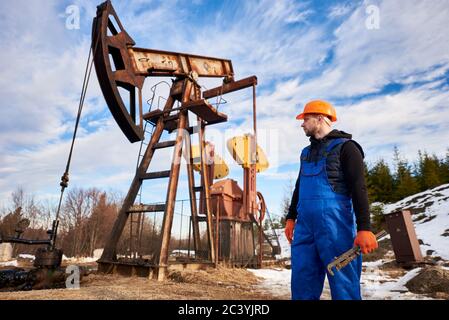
(325, 228)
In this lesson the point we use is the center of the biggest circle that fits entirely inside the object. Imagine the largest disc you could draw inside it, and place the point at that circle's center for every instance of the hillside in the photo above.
(430, 214)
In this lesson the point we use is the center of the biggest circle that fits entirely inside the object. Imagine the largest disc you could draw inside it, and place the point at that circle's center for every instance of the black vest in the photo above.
(334, 170)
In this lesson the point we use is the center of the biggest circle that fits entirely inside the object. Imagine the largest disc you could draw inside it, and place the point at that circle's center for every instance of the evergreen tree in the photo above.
(429, 171)
(377, 218)
(444, 168)
(370, 191)
(380, 182)
(405, 184)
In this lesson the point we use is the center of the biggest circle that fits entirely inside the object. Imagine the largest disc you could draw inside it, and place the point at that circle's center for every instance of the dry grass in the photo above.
(213, 284)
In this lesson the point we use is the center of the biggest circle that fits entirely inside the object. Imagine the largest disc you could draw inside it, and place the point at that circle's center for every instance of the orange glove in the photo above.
(289, 227)
(366, 240)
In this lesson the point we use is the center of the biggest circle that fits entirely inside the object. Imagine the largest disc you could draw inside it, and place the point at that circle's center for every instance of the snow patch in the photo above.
(79, 259)
(275, 281)
(9, 264)
(434, 221)
(375, 283)
(26, 256)
(284, 244)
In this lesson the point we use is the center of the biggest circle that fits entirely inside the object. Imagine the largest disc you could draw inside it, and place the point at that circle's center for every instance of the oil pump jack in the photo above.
(228, 211)
(120, 64)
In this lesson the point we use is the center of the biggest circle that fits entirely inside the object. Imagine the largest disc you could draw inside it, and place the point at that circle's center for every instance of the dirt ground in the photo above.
(212, 284)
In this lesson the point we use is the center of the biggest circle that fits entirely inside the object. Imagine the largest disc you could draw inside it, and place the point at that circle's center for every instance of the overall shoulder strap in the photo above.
(305, 153)
(334, 143)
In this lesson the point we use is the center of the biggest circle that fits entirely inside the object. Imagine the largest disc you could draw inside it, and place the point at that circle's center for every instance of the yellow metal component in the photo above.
(221, 169)
(240, 149)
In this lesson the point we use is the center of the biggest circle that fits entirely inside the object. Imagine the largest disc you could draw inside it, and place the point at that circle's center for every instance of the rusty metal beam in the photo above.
(203, 109)
(192, 194)
(172, 187)
(230, 87)
(156, 175)
(159, 63)
(206, 190)
(147, 208)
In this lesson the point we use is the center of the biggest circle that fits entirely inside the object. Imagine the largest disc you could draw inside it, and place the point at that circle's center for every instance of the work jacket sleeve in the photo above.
(351, 158)
(292, 213)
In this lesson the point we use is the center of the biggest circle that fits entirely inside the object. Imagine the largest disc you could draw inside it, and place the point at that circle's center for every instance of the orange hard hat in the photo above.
(319, 107)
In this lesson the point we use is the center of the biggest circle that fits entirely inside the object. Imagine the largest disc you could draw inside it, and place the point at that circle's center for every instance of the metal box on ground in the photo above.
(403, 237)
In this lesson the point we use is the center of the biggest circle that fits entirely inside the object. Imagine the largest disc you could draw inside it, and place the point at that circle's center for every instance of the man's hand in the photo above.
(289, 228)
(366, 240)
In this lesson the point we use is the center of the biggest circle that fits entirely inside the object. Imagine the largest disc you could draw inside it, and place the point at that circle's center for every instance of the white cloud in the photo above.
(42, 72)
(410, 39)
(284, 11)
(340, 10)
(412, 120)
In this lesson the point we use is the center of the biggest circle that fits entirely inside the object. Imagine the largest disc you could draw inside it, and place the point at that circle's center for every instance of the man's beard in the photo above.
(309, 133)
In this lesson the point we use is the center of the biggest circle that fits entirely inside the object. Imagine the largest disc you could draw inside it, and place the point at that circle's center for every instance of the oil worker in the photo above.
(329, 211)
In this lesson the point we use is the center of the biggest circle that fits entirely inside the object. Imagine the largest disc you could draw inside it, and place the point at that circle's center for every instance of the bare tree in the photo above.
(100, 222)
(77, 209)
(48, 213)
(31, 209)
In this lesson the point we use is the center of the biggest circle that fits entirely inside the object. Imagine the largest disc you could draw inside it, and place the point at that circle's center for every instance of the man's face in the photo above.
(310, 125)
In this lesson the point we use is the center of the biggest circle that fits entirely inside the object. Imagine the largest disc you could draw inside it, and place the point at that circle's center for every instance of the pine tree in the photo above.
(380, 182)
(371, 195)
(429, 171)
(444, 168)
(405, 184)
(377, 218)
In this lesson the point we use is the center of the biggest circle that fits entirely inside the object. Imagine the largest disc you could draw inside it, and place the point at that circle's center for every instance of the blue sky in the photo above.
(389, 84)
